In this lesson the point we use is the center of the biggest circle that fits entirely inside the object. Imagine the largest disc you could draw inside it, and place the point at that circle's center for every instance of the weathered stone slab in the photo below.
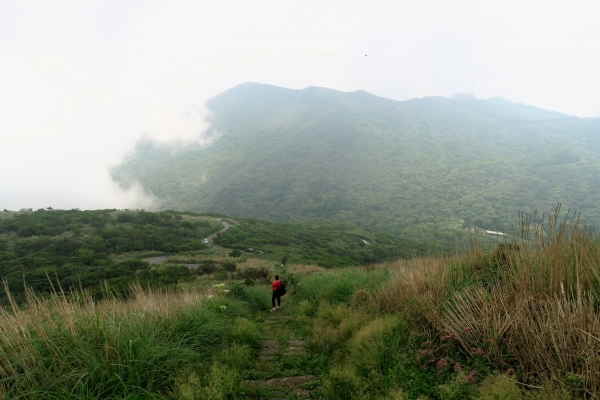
(267, 352)
(293, 382)
(294, 352)
(269, 343)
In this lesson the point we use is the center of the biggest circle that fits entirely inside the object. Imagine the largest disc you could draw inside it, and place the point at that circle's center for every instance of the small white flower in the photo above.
(223, 308)
(210, 296)
(225, 291)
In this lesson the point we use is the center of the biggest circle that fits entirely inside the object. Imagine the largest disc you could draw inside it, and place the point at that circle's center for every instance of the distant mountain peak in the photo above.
(500, 108)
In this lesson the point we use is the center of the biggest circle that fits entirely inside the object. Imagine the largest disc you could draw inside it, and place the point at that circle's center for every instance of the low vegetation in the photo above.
(79, 249)
(326, 245)
(82, 248)
(518, 322)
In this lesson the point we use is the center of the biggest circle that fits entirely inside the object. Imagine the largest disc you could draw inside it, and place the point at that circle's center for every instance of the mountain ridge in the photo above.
(430, 163)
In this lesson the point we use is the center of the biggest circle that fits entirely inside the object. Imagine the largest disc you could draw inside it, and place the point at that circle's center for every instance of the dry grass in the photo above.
(94, 348)
(303, 270)
(535, 300)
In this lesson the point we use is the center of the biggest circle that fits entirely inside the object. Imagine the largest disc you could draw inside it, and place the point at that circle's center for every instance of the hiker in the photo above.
(277, 293)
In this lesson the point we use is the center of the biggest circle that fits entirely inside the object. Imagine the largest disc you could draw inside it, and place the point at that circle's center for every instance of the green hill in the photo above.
(405, 167)
(83, 249)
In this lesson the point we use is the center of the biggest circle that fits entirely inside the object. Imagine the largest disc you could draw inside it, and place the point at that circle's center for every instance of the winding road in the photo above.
(226, 225)
(162, 259)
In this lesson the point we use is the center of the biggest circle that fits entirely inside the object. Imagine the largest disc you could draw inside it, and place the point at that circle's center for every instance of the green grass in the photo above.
(338, 286)
(115, 348)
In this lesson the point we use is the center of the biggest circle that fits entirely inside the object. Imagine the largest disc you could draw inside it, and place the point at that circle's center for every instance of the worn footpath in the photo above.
(283, 369)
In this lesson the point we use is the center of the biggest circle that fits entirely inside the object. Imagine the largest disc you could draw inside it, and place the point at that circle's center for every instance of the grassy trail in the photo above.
(282, 368)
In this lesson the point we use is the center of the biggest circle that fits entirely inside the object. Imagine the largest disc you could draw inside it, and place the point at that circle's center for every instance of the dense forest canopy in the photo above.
(80, 248)
(430, 164)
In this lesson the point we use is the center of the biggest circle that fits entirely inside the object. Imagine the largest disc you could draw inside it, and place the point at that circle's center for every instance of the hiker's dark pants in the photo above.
(276, 295)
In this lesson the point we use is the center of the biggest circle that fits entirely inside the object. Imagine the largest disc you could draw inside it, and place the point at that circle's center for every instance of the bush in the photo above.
(499, 387)
(229, 266)
(247, 332)
(263, 274)
(370, 349)
(125, 217)
(235, 253)
(342, 384)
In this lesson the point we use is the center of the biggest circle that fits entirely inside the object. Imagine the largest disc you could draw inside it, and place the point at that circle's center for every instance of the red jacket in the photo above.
(276, 286)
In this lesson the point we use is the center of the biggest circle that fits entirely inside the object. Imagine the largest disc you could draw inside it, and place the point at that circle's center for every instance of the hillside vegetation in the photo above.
(84, 249)
(518, 322)
(326, 245)
(410, 168)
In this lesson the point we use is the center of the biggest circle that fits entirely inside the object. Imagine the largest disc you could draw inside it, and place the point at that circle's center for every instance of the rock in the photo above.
(293, 382)
(267, 352)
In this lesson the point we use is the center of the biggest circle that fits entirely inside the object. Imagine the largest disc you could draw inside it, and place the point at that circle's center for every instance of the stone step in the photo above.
(293, 382)
(294, 353)
(279, 332)
(269, 343)
(281, 319)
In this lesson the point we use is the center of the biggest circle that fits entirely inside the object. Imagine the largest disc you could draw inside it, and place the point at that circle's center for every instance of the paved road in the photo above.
(211, 237)
(163, 259)
(157, 260)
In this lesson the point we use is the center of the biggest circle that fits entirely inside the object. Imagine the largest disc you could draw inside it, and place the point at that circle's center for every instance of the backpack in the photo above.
(282, 291)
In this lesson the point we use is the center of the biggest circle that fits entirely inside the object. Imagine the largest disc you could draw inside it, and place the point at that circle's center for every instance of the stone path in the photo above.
(291, 385)
(279, 343)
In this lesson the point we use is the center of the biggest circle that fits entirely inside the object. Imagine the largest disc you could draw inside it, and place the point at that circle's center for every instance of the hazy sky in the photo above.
(82, 81)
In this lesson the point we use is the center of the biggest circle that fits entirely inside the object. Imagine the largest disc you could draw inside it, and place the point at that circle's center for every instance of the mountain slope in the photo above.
(319, 154)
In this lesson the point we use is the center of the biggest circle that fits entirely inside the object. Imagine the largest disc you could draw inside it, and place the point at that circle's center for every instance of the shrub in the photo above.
(369, 350)
(229, 266)
(342, 384)
(333, 326)
(499, 387)
(220, 276)
(219, 384)
(246, 332)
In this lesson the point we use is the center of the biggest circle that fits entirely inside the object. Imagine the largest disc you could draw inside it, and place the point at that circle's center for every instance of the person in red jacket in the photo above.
(276, 294)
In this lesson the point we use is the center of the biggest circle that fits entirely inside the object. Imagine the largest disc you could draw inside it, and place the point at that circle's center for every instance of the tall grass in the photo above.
(81, 348)
(533, 300)
(338, 286)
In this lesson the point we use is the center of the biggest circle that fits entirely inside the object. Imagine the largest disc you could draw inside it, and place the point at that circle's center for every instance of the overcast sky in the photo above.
(82, 81)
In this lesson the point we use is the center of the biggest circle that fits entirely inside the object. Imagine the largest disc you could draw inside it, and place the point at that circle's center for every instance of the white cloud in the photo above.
(81, 82)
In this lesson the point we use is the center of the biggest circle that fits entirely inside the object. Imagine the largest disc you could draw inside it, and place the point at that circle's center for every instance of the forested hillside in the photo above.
(410, 168)
(84, 249)
(81, 248)
(326, 245)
